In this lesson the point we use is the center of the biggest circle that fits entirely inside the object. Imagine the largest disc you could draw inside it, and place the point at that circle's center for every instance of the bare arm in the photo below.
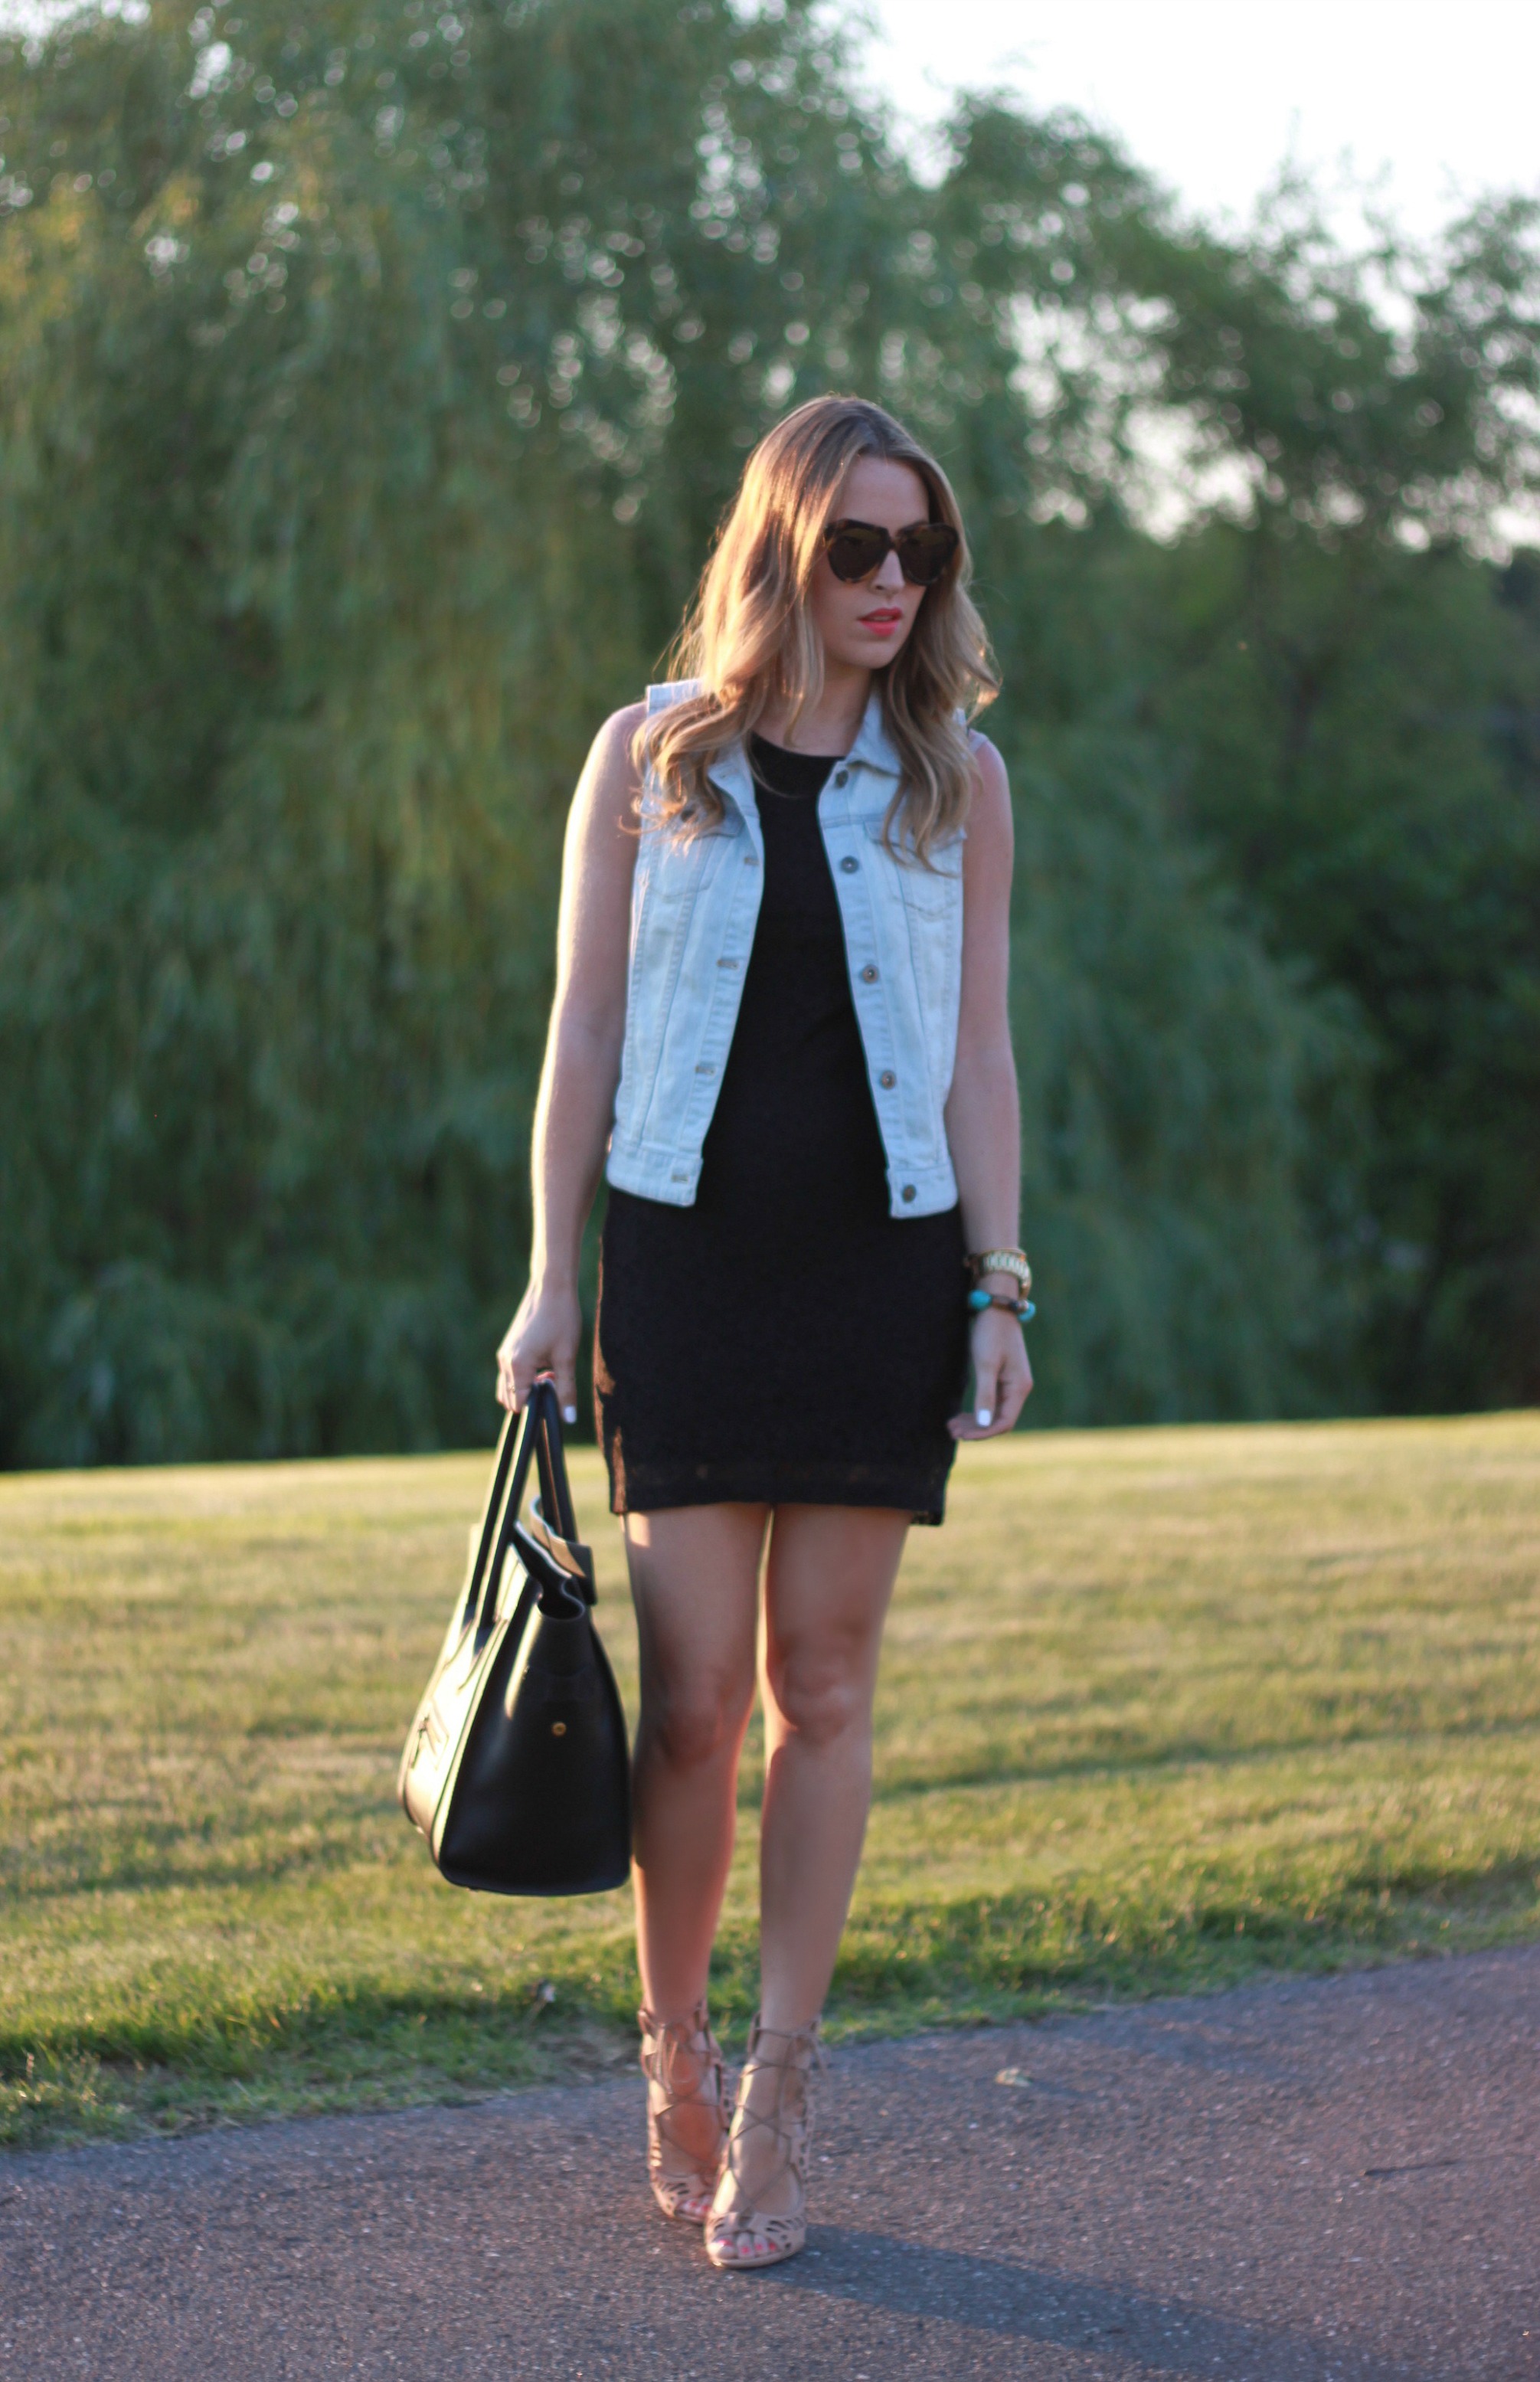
(576, 1105)
(984, 1122)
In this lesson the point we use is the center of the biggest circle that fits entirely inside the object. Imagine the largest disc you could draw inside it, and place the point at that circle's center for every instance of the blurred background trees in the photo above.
(371, 378)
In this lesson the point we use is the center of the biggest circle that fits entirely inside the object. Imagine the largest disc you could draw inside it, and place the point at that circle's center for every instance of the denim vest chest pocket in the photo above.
(933, 887)
(694, 906)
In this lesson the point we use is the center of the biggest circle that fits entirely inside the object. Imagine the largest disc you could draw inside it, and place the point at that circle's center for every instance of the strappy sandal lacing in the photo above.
(682, 2063)
(737, 2218)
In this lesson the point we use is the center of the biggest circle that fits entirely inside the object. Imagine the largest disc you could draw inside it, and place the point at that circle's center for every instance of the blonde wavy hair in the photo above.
(748, 636)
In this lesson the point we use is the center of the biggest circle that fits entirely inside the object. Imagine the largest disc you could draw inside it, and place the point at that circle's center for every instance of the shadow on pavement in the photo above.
(1163, 2336)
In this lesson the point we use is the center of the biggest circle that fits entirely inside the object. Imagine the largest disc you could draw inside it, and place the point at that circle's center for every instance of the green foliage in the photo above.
(1361, 749)
(371, 381)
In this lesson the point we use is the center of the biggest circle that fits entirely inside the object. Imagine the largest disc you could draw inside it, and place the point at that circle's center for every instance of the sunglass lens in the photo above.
(855, 552)
(925, 553)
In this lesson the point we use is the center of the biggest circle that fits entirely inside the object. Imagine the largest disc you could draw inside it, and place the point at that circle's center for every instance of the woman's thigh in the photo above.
(828, 1584)
(694, 1573)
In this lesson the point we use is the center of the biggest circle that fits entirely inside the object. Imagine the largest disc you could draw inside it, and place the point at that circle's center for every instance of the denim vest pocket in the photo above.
(932, 887)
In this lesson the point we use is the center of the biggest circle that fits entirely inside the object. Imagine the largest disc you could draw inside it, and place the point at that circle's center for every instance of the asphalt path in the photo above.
(1296, 2181)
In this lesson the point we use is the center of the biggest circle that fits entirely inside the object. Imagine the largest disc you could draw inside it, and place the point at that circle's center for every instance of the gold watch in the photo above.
(1011, 1261)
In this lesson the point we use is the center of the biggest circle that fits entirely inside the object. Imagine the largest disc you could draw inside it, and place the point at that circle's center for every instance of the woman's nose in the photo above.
(889, 577)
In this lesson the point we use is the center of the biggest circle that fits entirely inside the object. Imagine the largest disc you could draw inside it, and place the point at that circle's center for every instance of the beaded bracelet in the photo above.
(1024, 1309)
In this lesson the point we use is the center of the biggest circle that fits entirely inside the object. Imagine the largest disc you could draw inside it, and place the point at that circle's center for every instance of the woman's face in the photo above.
(865, 625)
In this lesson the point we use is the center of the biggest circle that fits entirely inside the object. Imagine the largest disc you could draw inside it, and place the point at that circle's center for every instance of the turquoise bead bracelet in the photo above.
(1023, 1310)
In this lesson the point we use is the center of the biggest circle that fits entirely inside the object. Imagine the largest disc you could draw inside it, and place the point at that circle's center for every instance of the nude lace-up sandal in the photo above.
(682, 2063)
(739, 2218)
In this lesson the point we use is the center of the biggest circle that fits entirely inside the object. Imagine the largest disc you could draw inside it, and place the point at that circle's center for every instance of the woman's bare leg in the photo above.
(695, 1584)
(828, 1584)
(827, 1589)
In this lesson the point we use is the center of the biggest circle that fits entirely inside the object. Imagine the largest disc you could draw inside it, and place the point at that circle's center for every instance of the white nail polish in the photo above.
(984, 1417)
(569, 1414)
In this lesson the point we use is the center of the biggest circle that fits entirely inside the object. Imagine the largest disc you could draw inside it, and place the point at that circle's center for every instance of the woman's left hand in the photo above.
(1002, 1376)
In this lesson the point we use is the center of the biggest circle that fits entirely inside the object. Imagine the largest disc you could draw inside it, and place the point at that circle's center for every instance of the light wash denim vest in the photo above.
(694, 903)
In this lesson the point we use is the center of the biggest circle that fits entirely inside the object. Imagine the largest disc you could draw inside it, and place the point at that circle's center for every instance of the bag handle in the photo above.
(556, 1494)
(534, 1435)
(492, 1517)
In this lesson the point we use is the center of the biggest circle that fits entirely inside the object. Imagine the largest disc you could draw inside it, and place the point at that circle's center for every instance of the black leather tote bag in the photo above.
(517, 1770)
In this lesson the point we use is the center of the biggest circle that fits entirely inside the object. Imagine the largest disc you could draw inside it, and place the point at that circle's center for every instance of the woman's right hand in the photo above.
(542, 1338)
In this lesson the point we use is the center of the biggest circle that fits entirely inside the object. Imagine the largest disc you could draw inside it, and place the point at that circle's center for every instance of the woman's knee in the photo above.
(693, 1723)
(821, 1698)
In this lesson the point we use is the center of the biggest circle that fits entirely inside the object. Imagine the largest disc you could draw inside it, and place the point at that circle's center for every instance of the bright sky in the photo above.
(1213, 97)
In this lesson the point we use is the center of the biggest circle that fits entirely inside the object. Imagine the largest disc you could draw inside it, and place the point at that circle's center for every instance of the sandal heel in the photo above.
(682, 2062)
(738, 2216)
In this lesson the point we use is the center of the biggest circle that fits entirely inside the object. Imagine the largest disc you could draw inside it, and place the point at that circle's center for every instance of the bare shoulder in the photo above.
(623, 724)
(993, 785)
(611, 782)
(989, 820)
(611, 749)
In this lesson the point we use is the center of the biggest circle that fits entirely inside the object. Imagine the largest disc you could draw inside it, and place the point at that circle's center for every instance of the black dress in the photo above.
(785, 1341)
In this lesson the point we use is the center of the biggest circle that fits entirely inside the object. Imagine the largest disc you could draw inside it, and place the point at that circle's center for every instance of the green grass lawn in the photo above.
(1159, 1708)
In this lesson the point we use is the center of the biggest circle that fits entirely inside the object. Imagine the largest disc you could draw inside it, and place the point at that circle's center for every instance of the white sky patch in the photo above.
(1434, 106)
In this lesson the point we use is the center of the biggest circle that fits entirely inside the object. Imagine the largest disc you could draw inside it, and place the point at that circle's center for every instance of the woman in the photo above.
(781, 1005)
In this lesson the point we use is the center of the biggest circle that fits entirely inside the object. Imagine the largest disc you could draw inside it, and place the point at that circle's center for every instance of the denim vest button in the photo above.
(869, 974)
(751, 860)
(842, 777)
(887, 1079)
(850, 866)
(704, 1067)
(908, 1191)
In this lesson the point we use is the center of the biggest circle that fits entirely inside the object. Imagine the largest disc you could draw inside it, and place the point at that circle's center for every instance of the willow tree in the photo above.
(371, 382)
